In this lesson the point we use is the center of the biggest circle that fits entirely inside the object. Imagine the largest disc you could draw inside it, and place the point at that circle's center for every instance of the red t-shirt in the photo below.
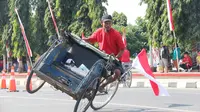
(109, 42)
(126, 56)
(188, 59)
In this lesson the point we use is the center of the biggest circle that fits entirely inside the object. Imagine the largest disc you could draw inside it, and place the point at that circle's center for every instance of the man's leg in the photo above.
(165, 63)
(114, 77)
(161, 65)
(183, 66)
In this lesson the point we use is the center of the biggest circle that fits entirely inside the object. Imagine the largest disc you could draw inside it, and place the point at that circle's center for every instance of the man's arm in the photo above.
(93, 38)
(87, 39)
(120, 53)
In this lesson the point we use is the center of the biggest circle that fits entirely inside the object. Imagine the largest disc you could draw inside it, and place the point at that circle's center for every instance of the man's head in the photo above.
(106, 22)
(186, 54)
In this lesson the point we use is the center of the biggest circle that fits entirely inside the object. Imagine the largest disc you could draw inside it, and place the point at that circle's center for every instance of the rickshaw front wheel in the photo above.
(29, 88)
(103, 98)
(84, 101)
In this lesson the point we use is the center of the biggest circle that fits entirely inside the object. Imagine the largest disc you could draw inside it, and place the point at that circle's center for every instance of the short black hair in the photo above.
(186, 52)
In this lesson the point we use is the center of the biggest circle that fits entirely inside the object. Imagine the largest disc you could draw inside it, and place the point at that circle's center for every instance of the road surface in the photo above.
(126, 100)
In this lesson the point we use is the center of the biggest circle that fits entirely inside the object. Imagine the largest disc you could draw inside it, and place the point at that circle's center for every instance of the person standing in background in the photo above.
(176, 51)
(164, 57)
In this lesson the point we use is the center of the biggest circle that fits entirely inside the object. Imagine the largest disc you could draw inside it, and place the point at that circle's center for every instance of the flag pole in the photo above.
(29, 52)
(171, 25)
(177, 60)
(53, 18)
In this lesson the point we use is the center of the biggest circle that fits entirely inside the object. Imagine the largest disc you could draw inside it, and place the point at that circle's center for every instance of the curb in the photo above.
(169, 80)
(171, 83)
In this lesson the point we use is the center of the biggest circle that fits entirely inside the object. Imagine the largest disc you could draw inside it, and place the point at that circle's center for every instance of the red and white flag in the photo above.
(141, 63)
(169, 10)
(24, 35)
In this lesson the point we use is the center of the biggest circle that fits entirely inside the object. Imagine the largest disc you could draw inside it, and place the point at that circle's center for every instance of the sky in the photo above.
(130, 8)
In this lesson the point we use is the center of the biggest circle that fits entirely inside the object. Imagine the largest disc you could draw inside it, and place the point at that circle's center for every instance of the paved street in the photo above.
(126, 100)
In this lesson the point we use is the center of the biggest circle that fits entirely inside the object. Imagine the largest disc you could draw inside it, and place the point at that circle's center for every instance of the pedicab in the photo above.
(76, 68)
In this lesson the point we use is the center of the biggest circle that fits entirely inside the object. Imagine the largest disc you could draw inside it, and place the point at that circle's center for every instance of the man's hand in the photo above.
(112, 54)
(120, 53)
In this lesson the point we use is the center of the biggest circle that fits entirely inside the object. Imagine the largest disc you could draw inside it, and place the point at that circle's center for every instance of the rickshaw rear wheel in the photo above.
(28, 89)
(88, 94)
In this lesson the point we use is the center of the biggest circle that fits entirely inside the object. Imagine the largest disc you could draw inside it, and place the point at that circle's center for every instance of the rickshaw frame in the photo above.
(97, 71)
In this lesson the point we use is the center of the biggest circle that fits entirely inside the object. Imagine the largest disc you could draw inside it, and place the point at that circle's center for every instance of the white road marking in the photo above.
(114, 104)
(28, 105)
(151, 107)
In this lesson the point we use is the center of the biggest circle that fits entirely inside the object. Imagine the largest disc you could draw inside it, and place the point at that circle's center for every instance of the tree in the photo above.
(185, 15)
(65, 11)
(119, 19)
(17, 41)
(82, 22)
(3, 28)
(96, 11)
(88, 15)
(137, 36)
(48, 20)
(3, 13)
(39, 35)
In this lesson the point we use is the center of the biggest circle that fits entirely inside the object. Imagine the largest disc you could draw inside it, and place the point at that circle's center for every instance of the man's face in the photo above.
(107, 25)
(185, 55)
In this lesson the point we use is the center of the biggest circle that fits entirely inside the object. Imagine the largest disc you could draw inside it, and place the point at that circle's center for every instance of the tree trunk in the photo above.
(28, 61)
(21, 67)
(4, 61)
(9, 63)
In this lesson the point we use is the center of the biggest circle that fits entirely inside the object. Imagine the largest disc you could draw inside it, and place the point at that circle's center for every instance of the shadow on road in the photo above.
(178, 105)
(124, 110)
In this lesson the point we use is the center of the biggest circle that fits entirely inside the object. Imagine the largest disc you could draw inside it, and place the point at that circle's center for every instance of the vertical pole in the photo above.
(53, 18)
(151, 57)
(176, 50)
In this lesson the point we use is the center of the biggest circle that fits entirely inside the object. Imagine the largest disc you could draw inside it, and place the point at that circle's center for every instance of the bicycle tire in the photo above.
(94, 107)
(128, 76)
(85, 93)
(28, 89)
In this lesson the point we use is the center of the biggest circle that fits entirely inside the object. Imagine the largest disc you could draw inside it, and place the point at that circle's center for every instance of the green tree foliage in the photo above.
(82, 22)
(88, 15)
(64, 12)
(119, 19)
(17, 38)
(136, 34)
(3, 13)
(3, 22)
(185, 15)
(96, 10)
(50, 29)
(39, 35)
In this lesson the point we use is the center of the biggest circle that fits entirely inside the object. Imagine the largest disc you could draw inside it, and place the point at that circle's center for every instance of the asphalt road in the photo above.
(126, 100)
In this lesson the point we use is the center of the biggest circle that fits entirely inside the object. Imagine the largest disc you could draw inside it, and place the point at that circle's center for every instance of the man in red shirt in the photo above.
(110, 41)
(186, 62)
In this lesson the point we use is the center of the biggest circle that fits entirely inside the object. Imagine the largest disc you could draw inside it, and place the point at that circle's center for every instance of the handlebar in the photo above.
(110, 63)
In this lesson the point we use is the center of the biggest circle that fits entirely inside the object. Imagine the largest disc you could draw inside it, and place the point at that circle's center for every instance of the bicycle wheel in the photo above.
(128, 79)
(103, 98)
(35, 89)
(84, 101)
